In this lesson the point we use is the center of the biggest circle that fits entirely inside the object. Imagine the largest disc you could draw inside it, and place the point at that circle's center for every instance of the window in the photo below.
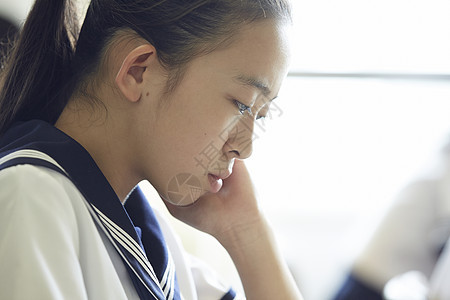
(365, 109)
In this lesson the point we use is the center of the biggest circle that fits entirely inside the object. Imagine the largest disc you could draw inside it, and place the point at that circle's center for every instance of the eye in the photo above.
(242, 107)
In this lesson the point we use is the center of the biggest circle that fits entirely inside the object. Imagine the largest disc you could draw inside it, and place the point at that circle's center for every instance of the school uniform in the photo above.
(64, 234)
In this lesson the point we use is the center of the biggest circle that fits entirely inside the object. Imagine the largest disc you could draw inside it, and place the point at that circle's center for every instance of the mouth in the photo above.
(216, 181)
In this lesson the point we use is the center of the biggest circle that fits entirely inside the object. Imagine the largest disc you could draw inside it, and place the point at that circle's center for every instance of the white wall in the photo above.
(16, 10)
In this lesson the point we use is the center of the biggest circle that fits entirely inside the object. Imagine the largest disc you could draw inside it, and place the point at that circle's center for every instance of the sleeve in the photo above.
(38, 237)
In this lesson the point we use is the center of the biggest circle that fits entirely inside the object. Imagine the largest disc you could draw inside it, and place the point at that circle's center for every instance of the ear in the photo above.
(129, 79)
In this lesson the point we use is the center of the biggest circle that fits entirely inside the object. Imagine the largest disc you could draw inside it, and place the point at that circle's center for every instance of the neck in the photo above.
(107, 141)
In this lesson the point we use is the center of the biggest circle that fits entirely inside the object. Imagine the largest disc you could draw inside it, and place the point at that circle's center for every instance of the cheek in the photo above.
(199, 130)
(189, 159)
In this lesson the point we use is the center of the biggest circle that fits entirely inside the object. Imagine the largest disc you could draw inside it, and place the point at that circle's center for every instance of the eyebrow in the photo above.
(254, 82)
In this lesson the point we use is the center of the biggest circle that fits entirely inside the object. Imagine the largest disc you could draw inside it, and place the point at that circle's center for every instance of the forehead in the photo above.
(261, 49)
(258, 57)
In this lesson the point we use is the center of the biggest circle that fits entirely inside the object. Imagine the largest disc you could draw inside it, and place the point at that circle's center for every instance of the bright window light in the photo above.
(377, 36)
(365, 111)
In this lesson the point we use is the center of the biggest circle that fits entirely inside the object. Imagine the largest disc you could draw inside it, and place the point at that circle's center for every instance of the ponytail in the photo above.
(35, 78)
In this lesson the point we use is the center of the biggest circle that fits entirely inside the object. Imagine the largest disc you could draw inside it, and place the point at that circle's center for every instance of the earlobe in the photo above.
(129, 78)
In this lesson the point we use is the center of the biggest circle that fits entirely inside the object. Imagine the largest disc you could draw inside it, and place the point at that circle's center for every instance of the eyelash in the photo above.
(242, 107)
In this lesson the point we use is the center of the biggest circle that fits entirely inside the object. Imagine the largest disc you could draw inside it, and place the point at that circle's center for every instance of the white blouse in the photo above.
(51, 248)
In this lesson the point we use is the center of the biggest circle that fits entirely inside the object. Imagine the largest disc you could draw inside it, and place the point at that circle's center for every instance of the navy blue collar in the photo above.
(83, 170)
(86, 175)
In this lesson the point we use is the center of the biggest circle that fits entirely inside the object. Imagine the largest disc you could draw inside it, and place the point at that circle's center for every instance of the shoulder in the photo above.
(33, 196)
(23, 181)
(39, 235)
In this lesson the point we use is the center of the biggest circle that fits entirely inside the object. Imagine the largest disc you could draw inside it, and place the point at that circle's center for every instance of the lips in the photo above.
(223, 175)
(215, 183)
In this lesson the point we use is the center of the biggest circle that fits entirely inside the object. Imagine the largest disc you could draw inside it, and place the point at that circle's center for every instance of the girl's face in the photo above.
(191, 142)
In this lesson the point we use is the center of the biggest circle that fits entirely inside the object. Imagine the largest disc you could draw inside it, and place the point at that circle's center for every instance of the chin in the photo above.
(180, 203)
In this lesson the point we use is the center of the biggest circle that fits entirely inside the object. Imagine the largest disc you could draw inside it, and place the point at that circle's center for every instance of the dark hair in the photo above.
(8, 31)
(44, 69)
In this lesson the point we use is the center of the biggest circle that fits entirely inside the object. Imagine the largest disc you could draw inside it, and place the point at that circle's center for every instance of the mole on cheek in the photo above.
(147, 94)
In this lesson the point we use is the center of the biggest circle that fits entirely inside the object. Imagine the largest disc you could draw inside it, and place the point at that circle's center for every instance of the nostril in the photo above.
(236, 152)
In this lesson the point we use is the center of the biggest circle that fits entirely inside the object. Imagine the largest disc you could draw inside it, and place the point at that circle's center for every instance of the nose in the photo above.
(240, 139)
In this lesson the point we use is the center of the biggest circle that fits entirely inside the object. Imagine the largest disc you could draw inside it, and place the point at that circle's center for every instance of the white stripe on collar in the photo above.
(30, 153)
(113, 241)
(108, 226)
(128, 243)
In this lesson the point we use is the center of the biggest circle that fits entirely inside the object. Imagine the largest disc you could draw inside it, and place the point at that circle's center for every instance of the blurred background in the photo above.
(364, 110)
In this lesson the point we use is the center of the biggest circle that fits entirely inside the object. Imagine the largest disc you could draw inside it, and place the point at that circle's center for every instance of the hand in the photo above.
(233, 208)
(232, 216)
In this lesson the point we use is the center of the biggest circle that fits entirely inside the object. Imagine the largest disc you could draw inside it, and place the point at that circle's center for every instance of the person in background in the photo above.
(408, 253)
(139, 93)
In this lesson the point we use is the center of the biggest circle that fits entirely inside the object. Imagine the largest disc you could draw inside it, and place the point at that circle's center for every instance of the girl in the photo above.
(166, 91)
